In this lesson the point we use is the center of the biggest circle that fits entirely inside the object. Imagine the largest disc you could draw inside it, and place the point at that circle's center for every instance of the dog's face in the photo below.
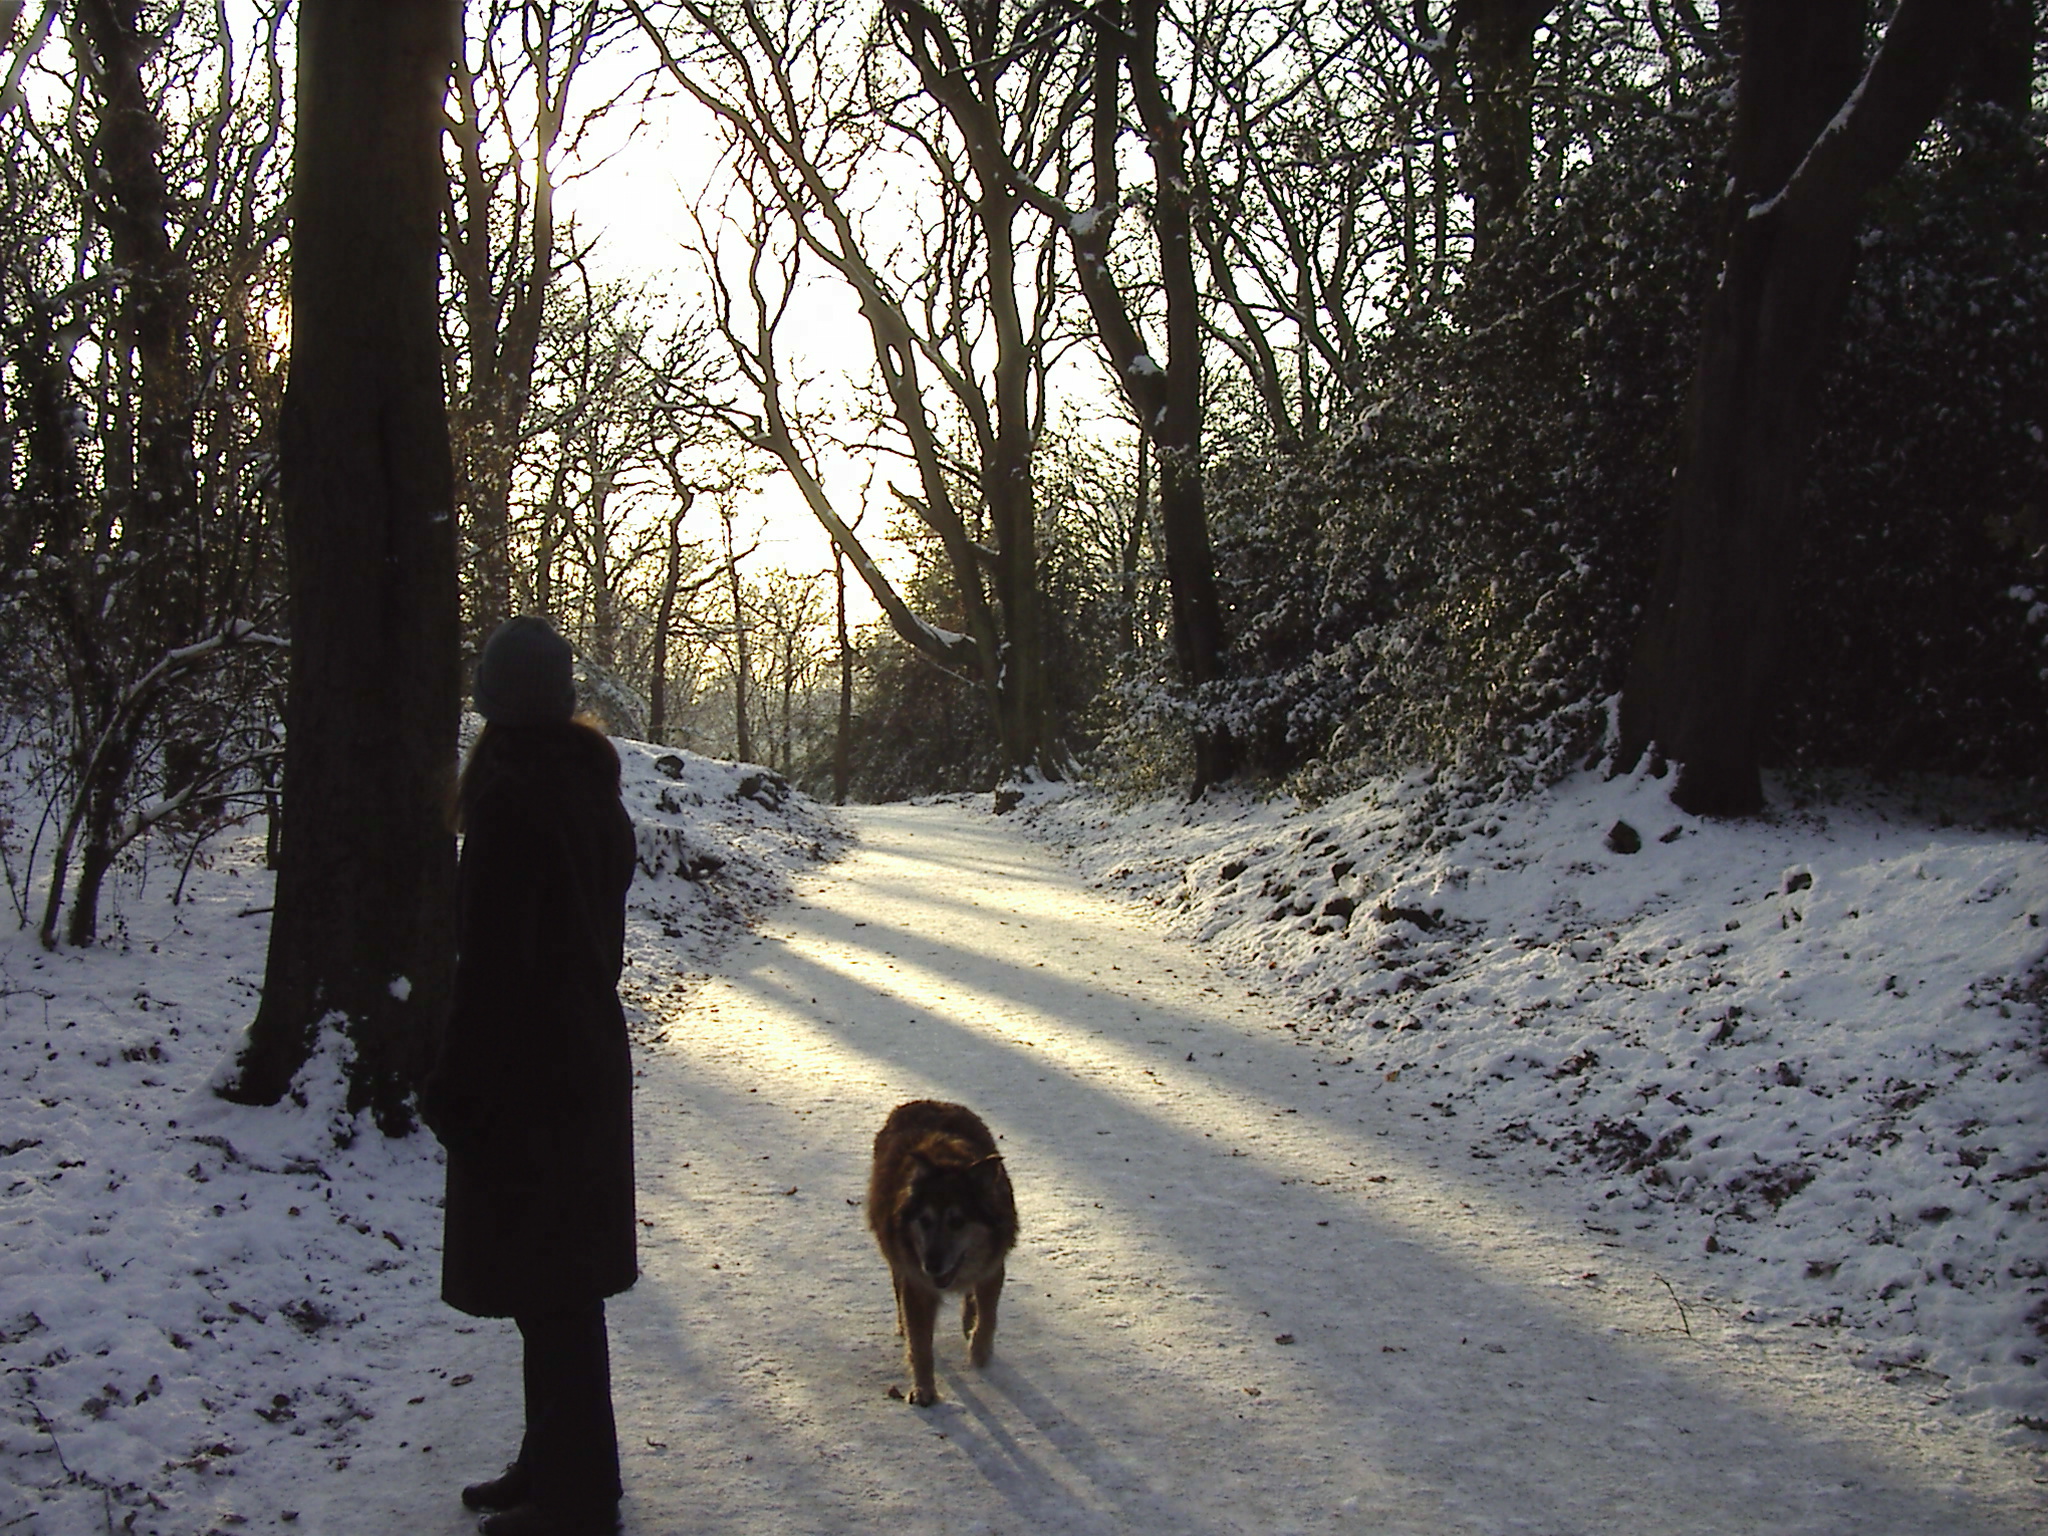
(948, 1220)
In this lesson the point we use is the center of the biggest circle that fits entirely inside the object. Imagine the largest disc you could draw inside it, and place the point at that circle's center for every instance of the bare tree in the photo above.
(738, 632)
(142, 390)
(1326, 197)
(591, 465)
(960, 337)
(1365, 161)
(665, 615)
(362, 931)
(790, 613)
(513, 97)
(684, 370)
(1164, 386)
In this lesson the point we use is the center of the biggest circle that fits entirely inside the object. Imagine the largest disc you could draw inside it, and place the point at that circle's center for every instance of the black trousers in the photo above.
(571, 1449)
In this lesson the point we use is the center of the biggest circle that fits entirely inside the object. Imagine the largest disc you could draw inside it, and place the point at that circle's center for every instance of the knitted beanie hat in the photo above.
(524, 675)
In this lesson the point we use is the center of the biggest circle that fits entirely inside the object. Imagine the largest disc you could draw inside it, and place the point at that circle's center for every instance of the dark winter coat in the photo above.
(533, 1092)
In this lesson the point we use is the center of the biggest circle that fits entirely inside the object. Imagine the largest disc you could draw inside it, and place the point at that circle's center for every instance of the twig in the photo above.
(43, 1419)
(1683, 1321)
(48, 1428)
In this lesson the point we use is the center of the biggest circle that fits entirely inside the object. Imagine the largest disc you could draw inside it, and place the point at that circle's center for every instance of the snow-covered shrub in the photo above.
(1148, 749)
(920, 730)
(917, 730)
(1453, 574)
(1915, 638)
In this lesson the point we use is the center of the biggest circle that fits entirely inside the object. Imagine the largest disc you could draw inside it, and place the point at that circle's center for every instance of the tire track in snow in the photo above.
(1194, 1187)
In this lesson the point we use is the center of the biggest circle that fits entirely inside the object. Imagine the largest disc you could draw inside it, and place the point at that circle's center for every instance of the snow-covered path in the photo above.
(1243, 1300)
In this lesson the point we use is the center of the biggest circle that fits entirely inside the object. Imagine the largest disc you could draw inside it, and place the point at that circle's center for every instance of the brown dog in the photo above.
(940, 1206)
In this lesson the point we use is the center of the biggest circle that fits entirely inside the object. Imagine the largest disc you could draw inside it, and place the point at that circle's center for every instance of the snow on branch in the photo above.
(1883, 117)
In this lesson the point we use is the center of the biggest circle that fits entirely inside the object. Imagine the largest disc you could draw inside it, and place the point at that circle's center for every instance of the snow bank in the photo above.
(200, 1304)
(1808, 1048)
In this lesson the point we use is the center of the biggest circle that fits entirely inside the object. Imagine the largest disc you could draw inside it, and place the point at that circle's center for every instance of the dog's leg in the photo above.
(967, 1312)
(980, 1316)
(896, 1284)
(920, 1312)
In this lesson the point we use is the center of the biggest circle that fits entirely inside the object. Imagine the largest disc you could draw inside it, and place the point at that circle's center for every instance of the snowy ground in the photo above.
(1261, 1287)
(217, 1318)
(1808, 1050)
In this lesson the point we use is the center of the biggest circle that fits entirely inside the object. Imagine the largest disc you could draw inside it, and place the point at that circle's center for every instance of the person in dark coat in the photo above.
(533, 1092)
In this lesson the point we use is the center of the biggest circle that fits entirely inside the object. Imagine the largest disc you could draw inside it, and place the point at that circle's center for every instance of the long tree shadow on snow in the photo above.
(1514, 1433)
(721, 1383)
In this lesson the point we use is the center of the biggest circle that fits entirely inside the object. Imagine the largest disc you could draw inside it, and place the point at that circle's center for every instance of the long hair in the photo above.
(500, 751)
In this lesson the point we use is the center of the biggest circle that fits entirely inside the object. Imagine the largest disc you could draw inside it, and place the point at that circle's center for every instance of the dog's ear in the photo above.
(987, 1169)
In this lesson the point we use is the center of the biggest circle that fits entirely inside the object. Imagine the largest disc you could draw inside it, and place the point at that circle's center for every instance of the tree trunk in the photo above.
(1133, 546)
(842, 743)
(1485, 68)
(1999, 69)
(503, 294)
(743, 743)
(102, 799)
(1805, 155)
(600, 584)
(362, 932)
(153, 314)
(548, 539)
(1019, 682)
(789, 642)
(1166, 398)
(664, 621)
(1498, 143)
(1199, 642)
(150, 489)
(487, 410)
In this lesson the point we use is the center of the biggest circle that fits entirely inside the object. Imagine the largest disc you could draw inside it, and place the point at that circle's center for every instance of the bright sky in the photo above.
(636, 191)
(638, 185)
(634, 187)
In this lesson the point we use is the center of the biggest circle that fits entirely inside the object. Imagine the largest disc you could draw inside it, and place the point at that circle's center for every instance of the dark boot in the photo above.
(508, 1490)
(532, 1520)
